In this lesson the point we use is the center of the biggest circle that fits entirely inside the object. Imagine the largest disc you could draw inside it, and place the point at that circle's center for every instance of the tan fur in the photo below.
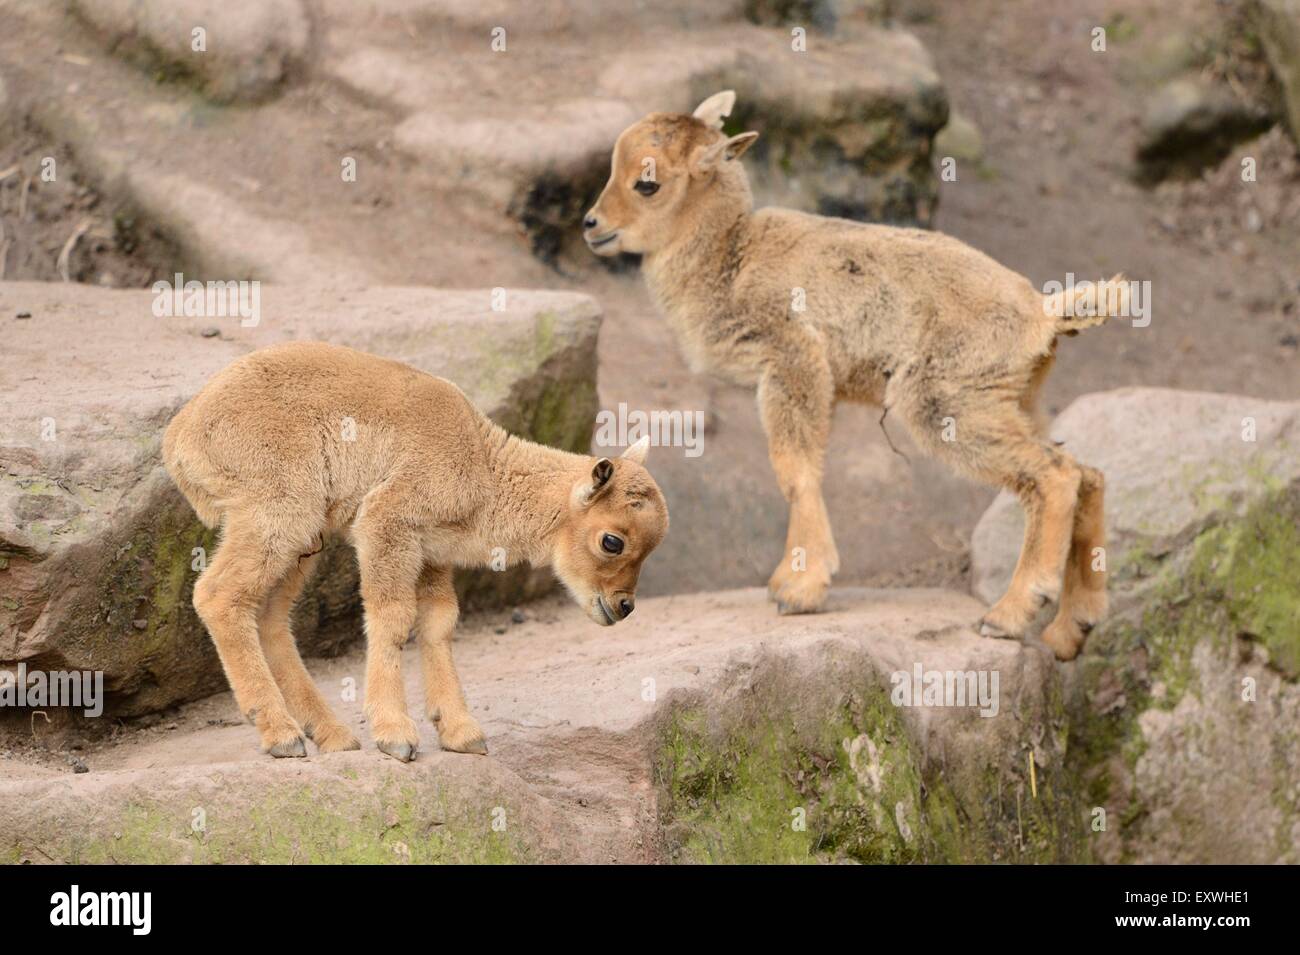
(293, 443)
(943, 337)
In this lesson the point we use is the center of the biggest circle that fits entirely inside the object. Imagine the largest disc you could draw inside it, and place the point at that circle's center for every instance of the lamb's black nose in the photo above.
(589, 222)
(626, 606)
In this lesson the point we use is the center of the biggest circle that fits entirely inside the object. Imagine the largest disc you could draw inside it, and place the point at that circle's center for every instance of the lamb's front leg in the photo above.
(437, 614)
(795, 400)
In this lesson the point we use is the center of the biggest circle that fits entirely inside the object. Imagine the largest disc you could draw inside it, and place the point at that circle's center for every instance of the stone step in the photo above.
(622, 18)
(704, 728)
(232, 52)
(519, 138)
(854, 143)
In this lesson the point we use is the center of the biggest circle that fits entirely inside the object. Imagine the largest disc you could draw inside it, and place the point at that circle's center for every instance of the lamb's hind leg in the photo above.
(1083, 597)
(1047, 483)
(438, 612)
(390, 558)
(228, 597)
(998, 442)
(304, 700)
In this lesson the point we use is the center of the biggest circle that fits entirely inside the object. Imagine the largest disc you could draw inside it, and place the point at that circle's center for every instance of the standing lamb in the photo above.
(813, 310)
(294, 442)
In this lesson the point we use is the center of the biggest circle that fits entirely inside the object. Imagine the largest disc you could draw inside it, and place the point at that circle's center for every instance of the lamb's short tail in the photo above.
(1087, 304)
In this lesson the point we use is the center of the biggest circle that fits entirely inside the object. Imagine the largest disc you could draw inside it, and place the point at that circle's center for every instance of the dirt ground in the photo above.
(1059, 124)
(41, 216)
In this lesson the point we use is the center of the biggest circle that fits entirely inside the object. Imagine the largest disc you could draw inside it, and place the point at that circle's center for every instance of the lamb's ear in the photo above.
(716, 108)
(709, 157)
(637, 452)
(585, 492)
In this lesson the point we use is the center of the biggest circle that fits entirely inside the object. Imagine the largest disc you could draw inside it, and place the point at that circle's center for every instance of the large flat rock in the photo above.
(846, 125)
(235, 50)
(691, 732)
(1185, 704)
(1172, 459)
(97, 546)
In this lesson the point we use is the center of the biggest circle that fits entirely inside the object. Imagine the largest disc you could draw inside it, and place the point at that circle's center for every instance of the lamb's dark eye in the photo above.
(611, 544)
(647, 187)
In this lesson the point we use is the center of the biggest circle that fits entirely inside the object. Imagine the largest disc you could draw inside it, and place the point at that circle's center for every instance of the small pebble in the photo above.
(501, 628)
(23, 315)
(517, 616)
(77, 765)
(210, 332)
(140, 624)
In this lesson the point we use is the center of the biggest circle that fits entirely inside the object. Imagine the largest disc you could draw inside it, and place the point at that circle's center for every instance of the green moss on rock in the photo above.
(404, 824)
(1234, 580)
(1246, 579)
(854, 789)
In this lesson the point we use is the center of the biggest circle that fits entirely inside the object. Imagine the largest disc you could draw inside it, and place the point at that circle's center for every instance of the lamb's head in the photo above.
(616, 517)
(669, 170)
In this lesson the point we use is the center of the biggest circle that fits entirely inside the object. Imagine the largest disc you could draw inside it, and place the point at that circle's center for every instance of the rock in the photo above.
(525, 20)
(541, 166)
(1184, 704)
(849, 141)
(960, 139)
(245, 50)
(1173, 54)
(823, 15)
(1170, 458)
(706, 728)
(855, 144)
(1190, 125)
(1279, 32)
(94, 538)
(202, 222)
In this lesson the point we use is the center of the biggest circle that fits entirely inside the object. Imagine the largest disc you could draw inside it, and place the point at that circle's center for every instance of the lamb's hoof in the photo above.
(994, 631)
(293, 749)
(1065, 637)
(804, 594)
(790, 608)
(1088, 607)
(335, 739)
(405, 752)
(475, 747)
(1009, 618)
(462, 736)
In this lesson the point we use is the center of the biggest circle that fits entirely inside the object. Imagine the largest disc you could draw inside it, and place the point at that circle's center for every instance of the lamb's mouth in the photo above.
(603, 240)
(609, 617)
